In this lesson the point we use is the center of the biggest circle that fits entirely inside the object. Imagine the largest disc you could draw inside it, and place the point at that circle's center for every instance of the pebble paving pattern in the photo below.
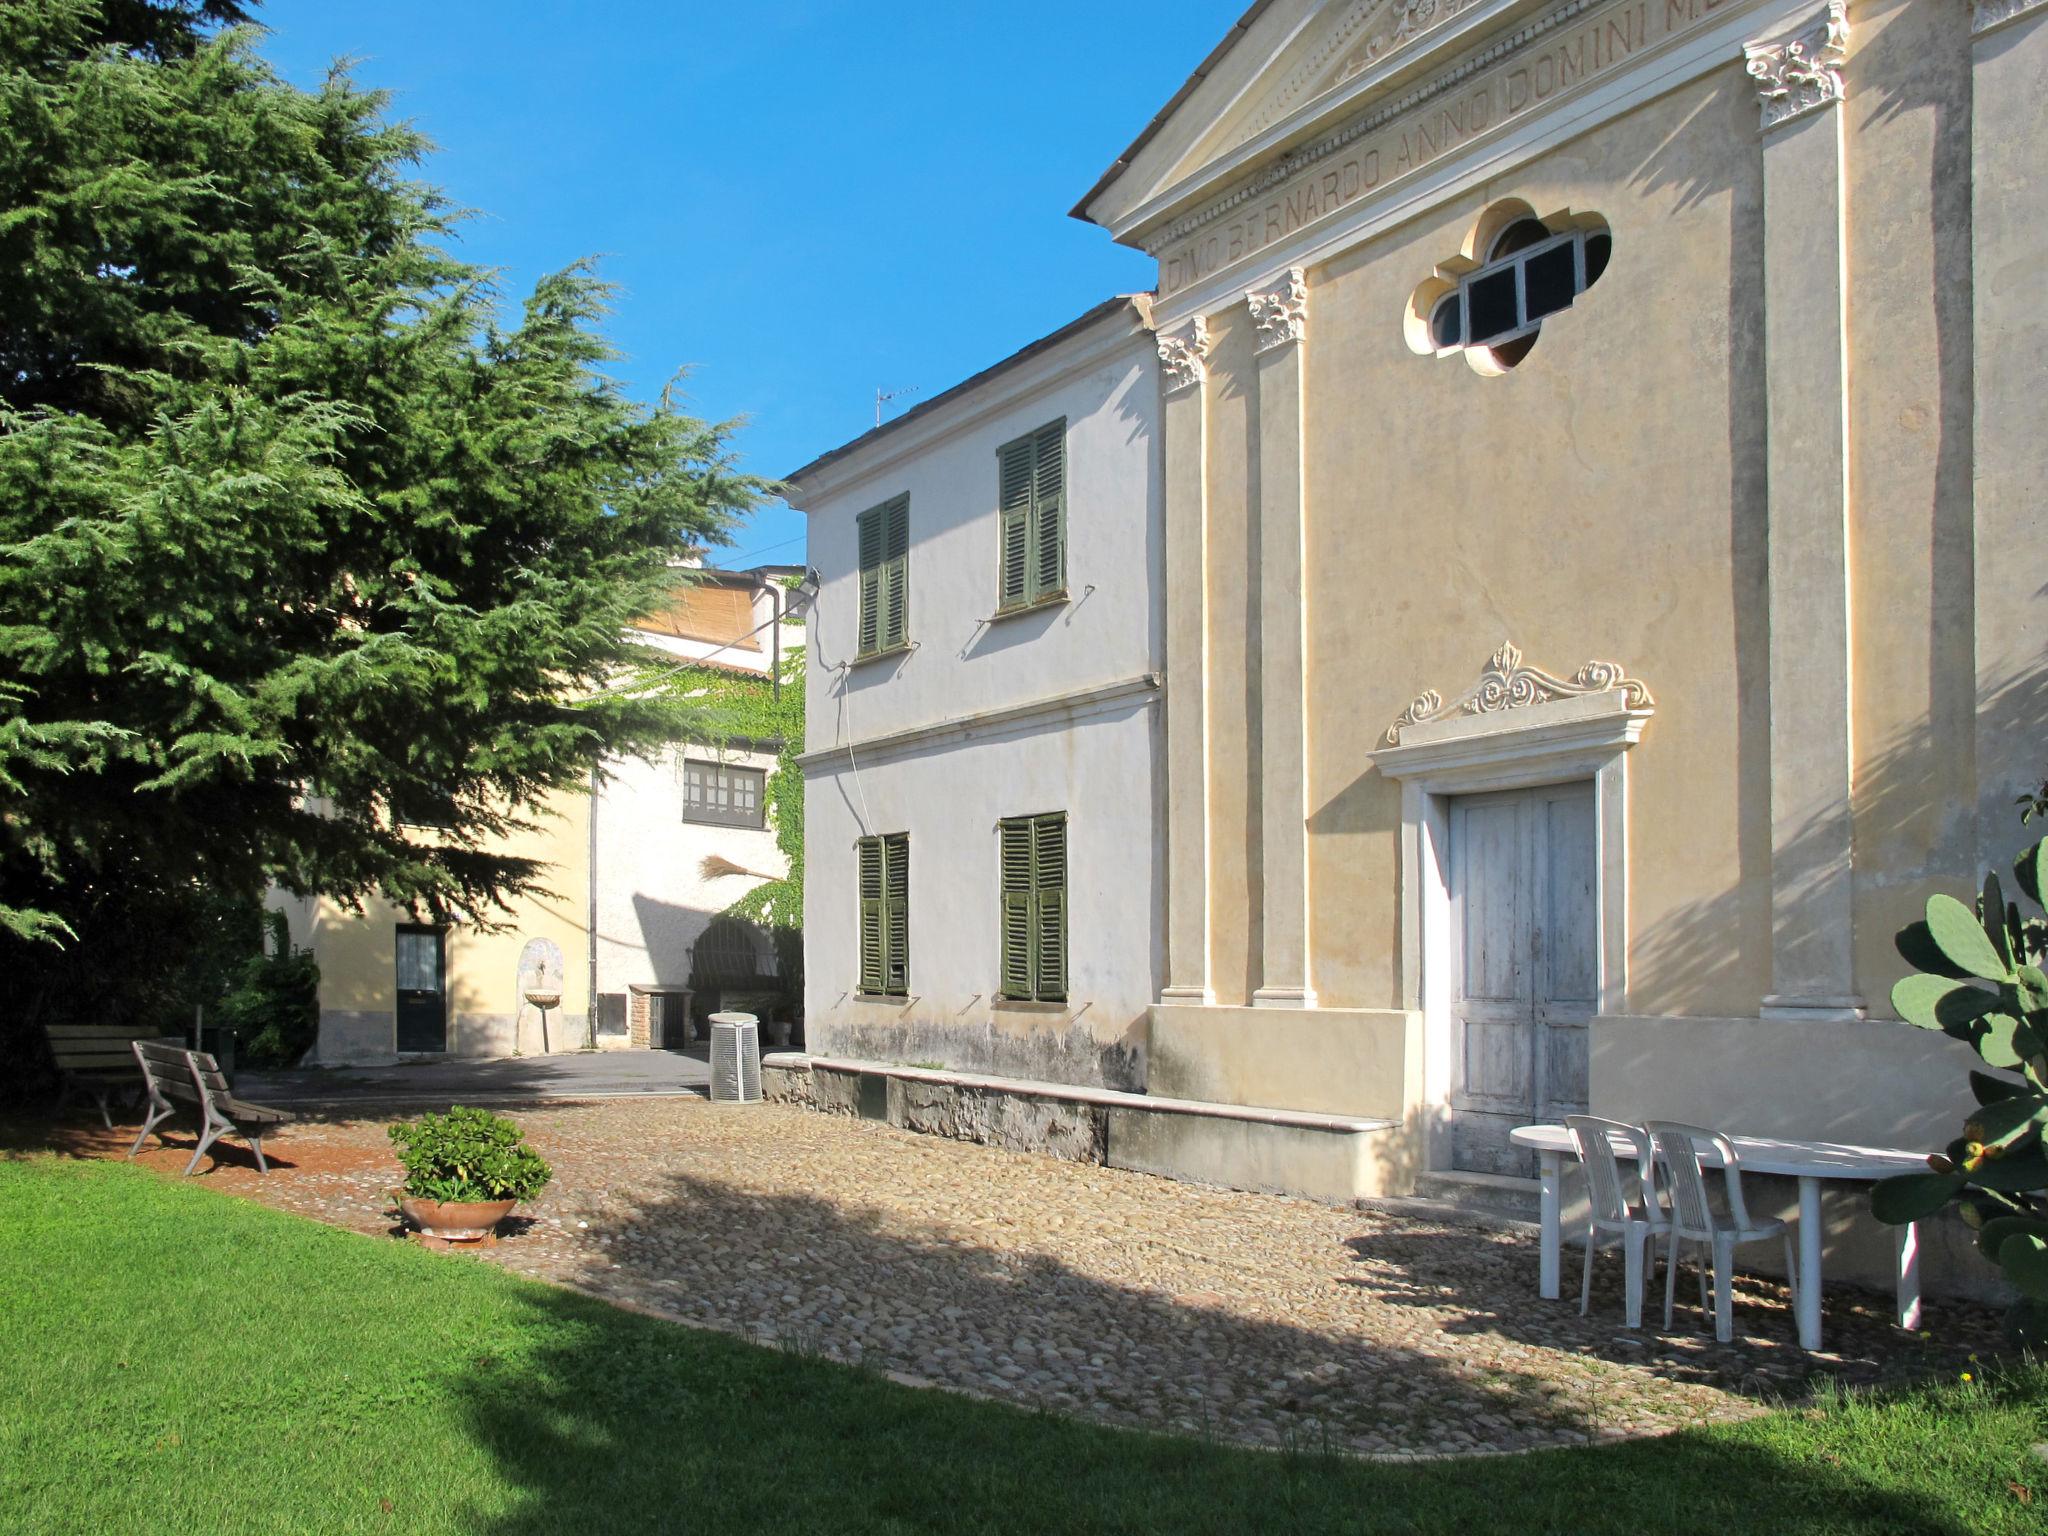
(1089, 1291)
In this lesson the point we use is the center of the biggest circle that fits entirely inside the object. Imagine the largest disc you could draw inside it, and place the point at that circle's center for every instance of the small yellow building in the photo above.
(392, 985)
(624, 861)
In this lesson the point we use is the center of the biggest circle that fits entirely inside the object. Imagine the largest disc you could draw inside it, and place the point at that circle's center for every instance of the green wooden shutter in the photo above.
(1049, 902)
(871, 530)
(1014, 476)
(1016, 908)
(873, 970)
(1032, 515)
(895, 573)
(896, 885)
(1049, 510)
(884, 576)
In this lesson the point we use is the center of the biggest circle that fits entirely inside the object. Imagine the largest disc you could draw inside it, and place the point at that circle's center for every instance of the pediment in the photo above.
(1346, 39)
(1291, 55)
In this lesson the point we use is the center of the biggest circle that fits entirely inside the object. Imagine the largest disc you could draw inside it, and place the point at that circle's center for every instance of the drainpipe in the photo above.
(590, 946)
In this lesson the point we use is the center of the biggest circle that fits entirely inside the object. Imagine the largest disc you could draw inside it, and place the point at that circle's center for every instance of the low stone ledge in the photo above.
(786, 1079)
(1073, 1133)
(1104, 1098)
(1295, 1151)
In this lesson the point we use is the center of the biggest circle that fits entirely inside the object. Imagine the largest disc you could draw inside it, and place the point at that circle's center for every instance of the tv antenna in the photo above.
(883, 397)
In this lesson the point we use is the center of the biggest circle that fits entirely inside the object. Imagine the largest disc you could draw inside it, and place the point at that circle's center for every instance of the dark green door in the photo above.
(422, 996)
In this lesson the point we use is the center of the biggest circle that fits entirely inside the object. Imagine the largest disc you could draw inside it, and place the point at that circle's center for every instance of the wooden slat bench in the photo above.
(177, 1076)
(97, 1060)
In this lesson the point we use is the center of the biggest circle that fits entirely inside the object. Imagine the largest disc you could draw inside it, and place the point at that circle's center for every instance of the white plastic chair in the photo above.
(1625, 1208)
(1694, 1219)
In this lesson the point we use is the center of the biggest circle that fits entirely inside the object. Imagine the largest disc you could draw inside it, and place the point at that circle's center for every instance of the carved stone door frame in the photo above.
(1517, 728)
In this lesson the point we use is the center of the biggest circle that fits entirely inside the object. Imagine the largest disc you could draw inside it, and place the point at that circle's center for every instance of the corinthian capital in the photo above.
(1184, 355)
(1801, 71)
(1280, 312)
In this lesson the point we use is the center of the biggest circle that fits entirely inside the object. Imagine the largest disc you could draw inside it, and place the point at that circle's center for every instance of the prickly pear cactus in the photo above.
(1980, 980)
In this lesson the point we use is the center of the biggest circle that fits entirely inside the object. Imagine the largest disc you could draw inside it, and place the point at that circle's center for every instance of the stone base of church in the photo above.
(1334, 1061)
(1872, 1082)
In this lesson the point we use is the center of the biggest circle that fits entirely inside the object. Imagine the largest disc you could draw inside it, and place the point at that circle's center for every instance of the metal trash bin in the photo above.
(735, 1059)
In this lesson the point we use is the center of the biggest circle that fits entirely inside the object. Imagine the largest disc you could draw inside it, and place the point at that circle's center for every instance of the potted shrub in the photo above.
(464, 1171)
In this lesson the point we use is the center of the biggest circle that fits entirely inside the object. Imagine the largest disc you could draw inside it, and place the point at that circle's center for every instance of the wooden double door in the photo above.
(1525, 966)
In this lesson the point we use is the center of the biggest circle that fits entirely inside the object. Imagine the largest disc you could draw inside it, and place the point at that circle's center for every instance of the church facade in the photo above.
(1601, 564)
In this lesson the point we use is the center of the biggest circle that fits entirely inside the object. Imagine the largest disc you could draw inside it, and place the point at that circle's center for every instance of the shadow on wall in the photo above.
(1689, 950)
(668, 930)
(1695, 951)
(620, 1420)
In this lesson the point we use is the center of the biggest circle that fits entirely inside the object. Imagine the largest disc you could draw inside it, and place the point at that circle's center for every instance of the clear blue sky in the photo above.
(801, 200)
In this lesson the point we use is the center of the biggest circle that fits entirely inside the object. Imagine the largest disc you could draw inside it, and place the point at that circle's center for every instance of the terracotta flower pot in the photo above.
(456, 1221)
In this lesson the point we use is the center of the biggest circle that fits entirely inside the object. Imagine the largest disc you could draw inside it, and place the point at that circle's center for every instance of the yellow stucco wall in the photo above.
(1608, 499)
(358, 967)
(1232, 606)
(1604, 499)
(1910, 522)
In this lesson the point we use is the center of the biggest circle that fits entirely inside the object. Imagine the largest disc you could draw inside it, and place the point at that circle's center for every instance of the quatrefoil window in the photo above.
(1490, 301)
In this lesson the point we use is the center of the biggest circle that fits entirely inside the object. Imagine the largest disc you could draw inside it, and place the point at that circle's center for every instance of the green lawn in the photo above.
(176, 1360)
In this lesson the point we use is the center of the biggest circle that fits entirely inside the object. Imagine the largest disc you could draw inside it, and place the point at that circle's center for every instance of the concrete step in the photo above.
(1484, 1194)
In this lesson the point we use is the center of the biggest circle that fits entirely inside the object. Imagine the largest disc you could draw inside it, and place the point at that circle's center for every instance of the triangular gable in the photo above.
(1340, 45)
(1282, 59)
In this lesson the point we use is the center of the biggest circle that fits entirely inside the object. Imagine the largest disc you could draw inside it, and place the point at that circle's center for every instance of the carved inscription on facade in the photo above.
(1388, 25)
(1524, 72)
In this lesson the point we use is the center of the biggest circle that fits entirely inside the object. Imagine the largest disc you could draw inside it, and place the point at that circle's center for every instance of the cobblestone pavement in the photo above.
(1092, 1291)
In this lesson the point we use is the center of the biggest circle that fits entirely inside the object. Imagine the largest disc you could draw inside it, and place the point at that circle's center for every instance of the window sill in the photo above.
(899, 999)
(1036, 605)
(1026, 1005)
(865, 657)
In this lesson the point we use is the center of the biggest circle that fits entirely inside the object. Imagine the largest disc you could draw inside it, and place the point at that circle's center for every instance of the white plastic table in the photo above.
(1807, 1161)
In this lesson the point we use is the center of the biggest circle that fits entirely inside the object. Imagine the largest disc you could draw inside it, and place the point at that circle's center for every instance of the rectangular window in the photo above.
(1034, 897)
(1031, 492)
(423, 805)
(721, 795)
(885, 915)
(884, 576)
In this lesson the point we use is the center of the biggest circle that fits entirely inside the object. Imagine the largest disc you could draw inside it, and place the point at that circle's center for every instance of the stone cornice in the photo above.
(1023, 377)
(1327, 144)
(1460, 102)
(1075, 703)
(1281, 312)
(1184, 356)
(1987, 14)
(1377, 28)
(1802, 71)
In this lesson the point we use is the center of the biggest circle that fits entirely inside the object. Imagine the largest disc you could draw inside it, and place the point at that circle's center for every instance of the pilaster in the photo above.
(1280, 317)
(2008, 219)
(1183, 373)
(1799, 84)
